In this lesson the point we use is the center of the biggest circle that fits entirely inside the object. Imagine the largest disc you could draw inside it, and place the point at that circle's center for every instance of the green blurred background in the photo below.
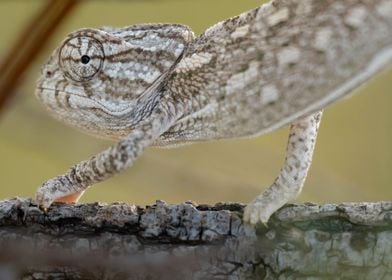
(352, 162)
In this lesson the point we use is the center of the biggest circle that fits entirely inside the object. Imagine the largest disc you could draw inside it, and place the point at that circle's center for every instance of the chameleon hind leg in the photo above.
(288, 184)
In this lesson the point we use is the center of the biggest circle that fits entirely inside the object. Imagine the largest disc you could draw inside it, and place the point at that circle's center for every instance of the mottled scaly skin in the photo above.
(267, 67)
(155, 84)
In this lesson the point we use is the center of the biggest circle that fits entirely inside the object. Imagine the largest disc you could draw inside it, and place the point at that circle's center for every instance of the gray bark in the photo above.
(188, 241)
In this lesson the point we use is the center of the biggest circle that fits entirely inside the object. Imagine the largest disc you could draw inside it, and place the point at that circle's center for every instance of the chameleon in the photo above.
(160, 85)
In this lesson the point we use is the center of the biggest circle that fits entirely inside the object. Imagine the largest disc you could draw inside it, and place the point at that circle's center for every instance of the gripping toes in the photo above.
(256, 212)
(48, 192)
(52, 190)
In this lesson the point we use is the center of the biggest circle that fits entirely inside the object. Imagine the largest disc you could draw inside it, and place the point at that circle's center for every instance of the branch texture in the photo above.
(189, 241)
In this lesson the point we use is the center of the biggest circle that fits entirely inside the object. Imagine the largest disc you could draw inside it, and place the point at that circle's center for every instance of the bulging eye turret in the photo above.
(81, 58)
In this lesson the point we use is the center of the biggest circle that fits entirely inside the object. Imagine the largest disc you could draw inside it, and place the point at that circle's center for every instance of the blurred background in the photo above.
(352, 162)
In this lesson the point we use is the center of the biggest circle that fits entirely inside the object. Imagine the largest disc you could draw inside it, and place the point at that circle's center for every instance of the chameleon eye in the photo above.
(81, 58)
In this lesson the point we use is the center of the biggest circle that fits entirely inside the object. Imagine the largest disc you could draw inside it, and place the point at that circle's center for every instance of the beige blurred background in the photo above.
(352, 162)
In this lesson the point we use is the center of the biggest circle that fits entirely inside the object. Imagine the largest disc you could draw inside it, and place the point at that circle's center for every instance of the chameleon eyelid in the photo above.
(70, 58)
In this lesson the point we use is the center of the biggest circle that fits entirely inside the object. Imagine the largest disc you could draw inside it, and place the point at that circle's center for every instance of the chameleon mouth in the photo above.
(72, 101)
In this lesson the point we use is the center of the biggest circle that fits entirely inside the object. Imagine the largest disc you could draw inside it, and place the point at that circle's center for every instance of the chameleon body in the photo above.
(158, 84)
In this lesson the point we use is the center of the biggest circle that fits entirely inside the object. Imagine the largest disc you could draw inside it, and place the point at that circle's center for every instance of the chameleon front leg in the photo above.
(288, 185)
(76, 180)
(98, 168)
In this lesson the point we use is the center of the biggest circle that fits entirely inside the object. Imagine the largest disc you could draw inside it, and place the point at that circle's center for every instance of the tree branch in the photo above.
(188, 241)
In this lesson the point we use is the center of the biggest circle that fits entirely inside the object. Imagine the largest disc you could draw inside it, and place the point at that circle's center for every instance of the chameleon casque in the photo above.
(158, 84)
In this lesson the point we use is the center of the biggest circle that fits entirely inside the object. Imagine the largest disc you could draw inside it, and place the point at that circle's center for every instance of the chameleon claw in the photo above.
(55, 191)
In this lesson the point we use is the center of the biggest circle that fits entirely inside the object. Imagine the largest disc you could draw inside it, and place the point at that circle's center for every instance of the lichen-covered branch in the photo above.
(188, 241)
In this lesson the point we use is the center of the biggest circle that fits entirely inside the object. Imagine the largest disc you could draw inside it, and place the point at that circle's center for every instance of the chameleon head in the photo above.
(99, 79)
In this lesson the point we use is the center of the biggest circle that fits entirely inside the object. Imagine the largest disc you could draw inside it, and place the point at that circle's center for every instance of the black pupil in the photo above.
(85, 59)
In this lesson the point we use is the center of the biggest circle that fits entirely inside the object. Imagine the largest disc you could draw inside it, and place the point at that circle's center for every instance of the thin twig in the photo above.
(29, 44)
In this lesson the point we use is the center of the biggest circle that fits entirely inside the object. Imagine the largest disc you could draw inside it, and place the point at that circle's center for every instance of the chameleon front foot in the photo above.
(72, 198)
(59, 190)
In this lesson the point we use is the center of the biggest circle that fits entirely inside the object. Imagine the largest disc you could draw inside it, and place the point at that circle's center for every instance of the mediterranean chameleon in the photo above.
(158, 84)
